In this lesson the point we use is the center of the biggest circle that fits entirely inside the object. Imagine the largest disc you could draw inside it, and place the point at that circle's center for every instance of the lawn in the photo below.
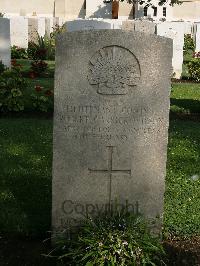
(25, 178)
(185, 98)
(26, 161)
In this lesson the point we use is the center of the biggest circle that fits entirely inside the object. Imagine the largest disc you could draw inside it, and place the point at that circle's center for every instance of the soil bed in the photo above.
(28, 252)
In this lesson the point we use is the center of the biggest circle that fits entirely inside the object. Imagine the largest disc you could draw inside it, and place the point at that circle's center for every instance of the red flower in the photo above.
(49, 93)
(13, 62)
(38, 88)
(32, 75)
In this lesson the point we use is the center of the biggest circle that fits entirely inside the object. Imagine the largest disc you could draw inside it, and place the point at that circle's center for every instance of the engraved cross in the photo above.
(110, 171)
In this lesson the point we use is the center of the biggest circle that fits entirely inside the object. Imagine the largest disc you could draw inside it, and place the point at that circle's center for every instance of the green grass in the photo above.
(25, 177)
(182, 198)
(185, 98)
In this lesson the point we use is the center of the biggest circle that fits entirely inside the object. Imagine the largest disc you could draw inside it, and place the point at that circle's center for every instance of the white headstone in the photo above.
(47, 26)
(19, 31)
(84, 24)
(41, 26)
(188, 27)
(5, 53)
(197, 36)
(175, 31)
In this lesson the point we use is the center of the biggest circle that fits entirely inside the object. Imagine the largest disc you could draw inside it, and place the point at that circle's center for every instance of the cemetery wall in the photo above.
(27, 8)
(188, 10)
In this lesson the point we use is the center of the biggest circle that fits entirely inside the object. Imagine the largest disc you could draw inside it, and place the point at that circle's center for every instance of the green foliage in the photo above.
(44, 49)
(18, 53)
(188, 44)
(57, 30)
(194, 69)
(39, 67)
(42, 99)
(2, 67)
(37, 51)
(1, 15)
(12, 85)
(117, 239)
(50, 47)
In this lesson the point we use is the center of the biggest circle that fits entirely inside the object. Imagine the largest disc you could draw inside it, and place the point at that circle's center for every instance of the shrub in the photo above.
(120, 239)
(12, 85)
(2, 67)
(37, 51)
(188, 43)
(39, 67)
(42, 99)
(44, 49)
(18, 53)
(194, 69)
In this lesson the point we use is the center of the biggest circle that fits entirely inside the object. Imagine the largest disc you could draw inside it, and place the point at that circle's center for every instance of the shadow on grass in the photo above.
(186, 105)
(25, 177)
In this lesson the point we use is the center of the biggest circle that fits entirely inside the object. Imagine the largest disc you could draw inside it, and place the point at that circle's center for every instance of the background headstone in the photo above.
(19, 31)
(5, 51)
(139, 25)
(175, 31)
(110, 124)
(32, 29)
(197, 36)
(41, 26)
(188, 27)
(145, 26)
(84, 24)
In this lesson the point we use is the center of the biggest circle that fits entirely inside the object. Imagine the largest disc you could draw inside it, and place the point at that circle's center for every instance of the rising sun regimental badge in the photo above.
(113, 70)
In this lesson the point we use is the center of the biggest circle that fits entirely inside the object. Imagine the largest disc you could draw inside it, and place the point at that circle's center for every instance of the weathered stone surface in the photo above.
(145, 26)
(139, 25)
(110, 124)
(128, 25)
(5, 52)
